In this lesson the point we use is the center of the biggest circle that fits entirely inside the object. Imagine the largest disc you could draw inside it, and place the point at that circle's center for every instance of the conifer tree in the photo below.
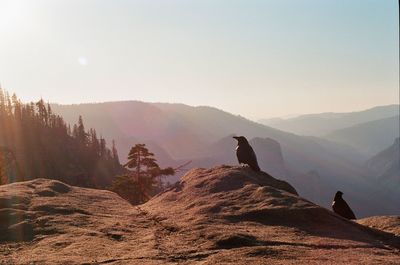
(143, 172)
(3, 166)
(114, 153)
(141, 160)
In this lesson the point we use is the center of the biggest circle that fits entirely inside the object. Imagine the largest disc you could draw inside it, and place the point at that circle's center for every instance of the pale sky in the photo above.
(256, 58)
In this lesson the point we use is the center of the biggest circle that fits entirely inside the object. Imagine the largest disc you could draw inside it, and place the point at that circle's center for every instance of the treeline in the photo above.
(35, 142)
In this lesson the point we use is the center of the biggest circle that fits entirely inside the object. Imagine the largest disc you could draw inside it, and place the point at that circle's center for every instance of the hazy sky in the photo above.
(255, 58)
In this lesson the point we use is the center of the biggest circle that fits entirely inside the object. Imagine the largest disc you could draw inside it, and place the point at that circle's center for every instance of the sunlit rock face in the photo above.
(389, 223)
(222, 215)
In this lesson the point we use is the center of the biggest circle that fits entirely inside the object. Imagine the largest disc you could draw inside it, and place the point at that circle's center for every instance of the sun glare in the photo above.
(11, 14)
(83, 61)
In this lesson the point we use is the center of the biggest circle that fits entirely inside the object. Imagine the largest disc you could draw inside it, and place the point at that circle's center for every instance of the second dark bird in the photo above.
(341, 207)
(245, 153)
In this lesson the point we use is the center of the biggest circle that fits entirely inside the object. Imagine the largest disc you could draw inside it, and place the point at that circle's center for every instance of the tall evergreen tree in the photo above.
(114, 151)
(8, 166)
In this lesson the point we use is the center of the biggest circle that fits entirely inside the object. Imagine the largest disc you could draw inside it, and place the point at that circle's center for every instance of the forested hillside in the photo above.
(35, 142)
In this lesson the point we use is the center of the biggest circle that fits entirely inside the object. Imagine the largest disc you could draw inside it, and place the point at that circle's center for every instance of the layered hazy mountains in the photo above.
(370, 131)
(318, 154)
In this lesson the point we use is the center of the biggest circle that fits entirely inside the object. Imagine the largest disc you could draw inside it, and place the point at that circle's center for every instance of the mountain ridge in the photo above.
(320, 124)
(184, 133)
(386, 163)
(368, 137)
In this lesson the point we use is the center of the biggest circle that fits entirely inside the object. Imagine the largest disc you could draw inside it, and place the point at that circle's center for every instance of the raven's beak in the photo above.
(235, 137)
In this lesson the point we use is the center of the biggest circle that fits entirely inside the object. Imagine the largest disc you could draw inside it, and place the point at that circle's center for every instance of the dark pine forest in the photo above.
(35, 142)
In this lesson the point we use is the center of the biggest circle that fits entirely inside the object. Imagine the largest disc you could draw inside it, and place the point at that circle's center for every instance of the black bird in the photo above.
(245, 153)
(341, 207)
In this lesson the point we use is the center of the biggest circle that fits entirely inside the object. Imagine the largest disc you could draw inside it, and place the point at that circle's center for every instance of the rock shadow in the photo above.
(317, 222)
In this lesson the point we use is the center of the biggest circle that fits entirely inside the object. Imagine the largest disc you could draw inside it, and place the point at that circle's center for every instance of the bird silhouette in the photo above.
(341, 207)
(245, 153)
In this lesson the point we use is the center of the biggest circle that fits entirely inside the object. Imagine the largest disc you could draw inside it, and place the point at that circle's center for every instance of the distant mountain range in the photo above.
(386, 164)
(324, 123)
(368, 131)
(369, 137)
(177, 133)
(386, 167)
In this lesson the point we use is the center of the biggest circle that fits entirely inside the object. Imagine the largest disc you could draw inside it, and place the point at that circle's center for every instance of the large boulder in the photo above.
(223, 215)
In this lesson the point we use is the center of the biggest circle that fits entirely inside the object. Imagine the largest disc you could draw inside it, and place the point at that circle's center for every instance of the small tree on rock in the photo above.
(140, 184)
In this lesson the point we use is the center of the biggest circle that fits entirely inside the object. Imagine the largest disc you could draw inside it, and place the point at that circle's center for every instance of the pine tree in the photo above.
(142, 175)
(81, 134)
(3, 172)
(114, 152)
(8, 167)
(140, 159)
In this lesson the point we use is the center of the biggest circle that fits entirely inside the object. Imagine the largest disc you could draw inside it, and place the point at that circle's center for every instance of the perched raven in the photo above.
(340, 207)
(245, 154)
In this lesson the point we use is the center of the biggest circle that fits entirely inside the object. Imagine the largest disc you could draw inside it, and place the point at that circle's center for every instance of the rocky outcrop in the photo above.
(223, 215)
(390, 223)
(269, 153)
